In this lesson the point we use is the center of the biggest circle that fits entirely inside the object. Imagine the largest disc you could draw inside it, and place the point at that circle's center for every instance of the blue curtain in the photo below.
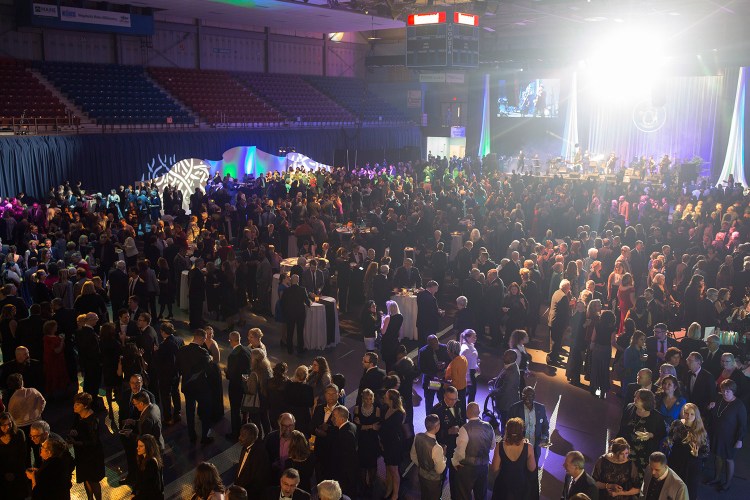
(100, 161)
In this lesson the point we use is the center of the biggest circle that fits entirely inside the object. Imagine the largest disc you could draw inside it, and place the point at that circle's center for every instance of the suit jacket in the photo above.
(651, 348)
(29, 333)
(166, 358)
(448, 420)
(541, 427)
(507, 385)
(238, 364)
(197, 284)
(118, 286)
(372, 379)
(426, 362)
(307, 281)
(712, 363)
(704, 390)
(585, 485)
(256, 471)
(274, 493)
(673, 489)
(272, 443)
(343, 453)
(472, 290)
(147, 340)
(299, 400)
(381, 290)
(428, 316)
(192, 362)
(127, 410)
(293, 302)
(407, 279)
(150, 423)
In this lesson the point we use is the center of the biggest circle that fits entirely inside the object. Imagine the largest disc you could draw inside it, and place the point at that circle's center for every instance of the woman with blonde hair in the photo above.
(90, 301)
(257, 385)
(369, 279)
(367, 418)
(513, 459)
(688, 446)
(391, 327)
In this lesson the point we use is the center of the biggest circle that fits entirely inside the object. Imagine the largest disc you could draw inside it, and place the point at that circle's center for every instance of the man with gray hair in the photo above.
(577, 480)
(330, 490)
(559, 319)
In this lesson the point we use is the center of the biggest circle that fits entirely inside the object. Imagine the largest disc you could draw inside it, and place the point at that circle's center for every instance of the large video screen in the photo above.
(519, 98)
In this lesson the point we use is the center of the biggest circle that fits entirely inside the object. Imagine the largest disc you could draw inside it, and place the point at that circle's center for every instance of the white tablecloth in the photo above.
(184, 303)
(287, 264)
(457, 241)
(408, 306)
(274, 292)
(315, 334)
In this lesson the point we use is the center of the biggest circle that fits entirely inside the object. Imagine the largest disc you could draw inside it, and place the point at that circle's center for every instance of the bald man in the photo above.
(471, 459)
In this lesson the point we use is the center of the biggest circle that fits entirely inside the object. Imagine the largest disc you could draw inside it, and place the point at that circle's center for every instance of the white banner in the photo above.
(44, 10)
(432, 77)
(454, 78)
(90, 16)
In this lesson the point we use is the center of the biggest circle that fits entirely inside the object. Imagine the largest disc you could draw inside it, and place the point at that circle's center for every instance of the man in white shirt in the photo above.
(429, 457)
(474, 443)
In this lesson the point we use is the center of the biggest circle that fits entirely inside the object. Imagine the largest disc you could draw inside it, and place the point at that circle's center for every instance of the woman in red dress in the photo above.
(625, 298)
(55, 371)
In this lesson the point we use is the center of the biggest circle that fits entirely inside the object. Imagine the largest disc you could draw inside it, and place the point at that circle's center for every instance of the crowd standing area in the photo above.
(386, 332)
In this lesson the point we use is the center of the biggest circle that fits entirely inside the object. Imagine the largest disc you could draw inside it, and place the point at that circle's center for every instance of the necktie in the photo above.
(693, 378)
(315, 285)
(661, 346)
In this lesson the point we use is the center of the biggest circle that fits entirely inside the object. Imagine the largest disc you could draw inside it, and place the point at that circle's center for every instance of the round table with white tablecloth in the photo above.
(408, 306)
(457, 242)
(316, 333)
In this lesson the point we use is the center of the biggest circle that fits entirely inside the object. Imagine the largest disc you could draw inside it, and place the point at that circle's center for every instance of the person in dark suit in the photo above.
(382, 288)
(644, 380)
(238, 364)
(299, 398)
(343, 447)
(373, 377)
(196, 294)
(117, 282)
(30, 370)
(129, 416)
(558, 321)
(321, 425)
(29, 332)
(657, 345)
(712, 355)
(472, 289)
(452, 417)
(407, 276)
(148, 341)
(577, 480)
(89, 355)
(432, 360)
(192, 363)
(313, 279)
(276, 440)
(428, 314)
(147, 422)
(254, 469)
(288, 487)
(529, 411)
(294, 304)
(165, 359)
(699, 384)
(492, 307)
(51, 478)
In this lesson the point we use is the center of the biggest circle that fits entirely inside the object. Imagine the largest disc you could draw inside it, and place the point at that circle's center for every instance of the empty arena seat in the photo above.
(22, 95)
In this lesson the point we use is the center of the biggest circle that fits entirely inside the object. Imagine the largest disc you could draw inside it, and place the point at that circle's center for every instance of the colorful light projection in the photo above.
(245, 161)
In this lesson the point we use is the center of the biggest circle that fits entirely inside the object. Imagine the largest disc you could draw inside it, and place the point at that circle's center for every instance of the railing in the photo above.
(24, 125)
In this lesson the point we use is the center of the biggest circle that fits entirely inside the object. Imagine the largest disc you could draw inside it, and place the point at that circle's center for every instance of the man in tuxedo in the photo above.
(165, 359)
(321, 425)
(196, 294)
(254, 469)
(432, 360)
(657, 345)
(534, 416)
(134, 308)
(343, 448)
(381, 287)
(428, 313)
(577, 480)
(127, 329)
(277, 444)
(712, 355)
(192, 362)
(148, 342)
(89, 355)
(699, 384)
(313, 279)
(117, 283)
(288, 489)
(294, 304)
(238, 364)
(373, 377)
(129, 416)
(29, 332)
(452, 417)
(407, 276)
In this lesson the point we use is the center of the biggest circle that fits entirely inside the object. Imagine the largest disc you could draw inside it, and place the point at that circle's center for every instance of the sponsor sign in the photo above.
(97, 17)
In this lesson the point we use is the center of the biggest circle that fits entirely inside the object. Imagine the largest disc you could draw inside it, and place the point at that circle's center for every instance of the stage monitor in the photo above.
(528, 97)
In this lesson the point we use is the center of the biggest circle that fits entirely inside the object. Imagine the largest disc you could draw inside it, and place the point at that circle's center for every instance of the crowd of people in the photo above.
(614, 268)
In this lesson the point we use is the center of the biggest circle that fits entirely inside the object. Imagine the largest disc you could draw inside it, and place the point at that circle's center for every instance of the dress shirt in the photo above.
(438, 456)
(529, 417)
(327, 411)
(461, 441)
(694, 377)
(244, 459)
(284, 449)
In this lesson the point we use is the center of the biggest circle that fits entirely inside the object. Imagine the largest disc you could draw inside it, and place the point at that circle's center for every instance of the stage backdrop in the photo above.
(675, 116)
(101, 161)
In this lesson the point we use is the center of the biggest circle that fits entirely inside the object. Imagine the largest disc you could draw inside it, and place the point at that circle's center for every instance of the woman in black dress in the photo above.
(688, 446)
(367, 419)
(513, 460)
(642, 426)
(728, 426)
(391, 327)
(392, 440)
(13, 459)
(88, 447)
(149, 482)
(407, 373)
(615, 474)
(110, 347)
(51, 480)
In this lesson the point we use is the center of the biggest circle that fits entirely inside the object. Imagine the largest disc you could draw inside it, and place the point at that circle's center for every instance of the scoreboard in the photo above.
(442, 39)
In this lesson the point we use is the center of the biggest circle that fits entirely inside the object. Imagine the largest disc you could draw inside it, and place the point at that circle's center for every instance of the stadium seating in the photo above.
(22, 95)
(352, 94)
(297, 99)
(114, 95)
(217, 97)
